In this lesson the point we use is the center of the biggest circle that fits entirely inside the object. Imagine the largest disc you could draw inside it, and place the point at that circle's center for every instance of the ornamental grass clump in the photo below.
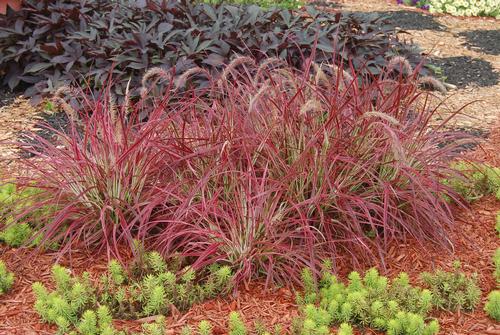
(265, 170)
(16, 224)
(103, 177)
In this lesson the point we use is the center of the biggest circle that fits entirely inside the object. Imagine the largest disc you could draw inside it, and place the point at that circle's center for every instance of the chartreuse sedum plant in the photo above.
(6, 278)
(475, 180)
(496, 262)
(158, 287)
(236, 324)
(16, 225)
(453, 290)
(497, 224)
(15, 234)
(66, 305)
(492, 306)
(369, 301)
(121, 294)
(205, 327)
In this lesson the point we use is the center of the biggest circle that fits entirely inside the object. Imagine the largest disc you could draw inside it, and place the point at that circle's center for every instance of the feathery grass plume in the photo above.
(230, 69)
(401, 65)
(339, 74)
(320, 76)
(257, 97)
(152, 77)
(126, 99)
(268, 64)
(182, 79)
(432, 84)
(58, 99)
(310, 106)
(331, 75)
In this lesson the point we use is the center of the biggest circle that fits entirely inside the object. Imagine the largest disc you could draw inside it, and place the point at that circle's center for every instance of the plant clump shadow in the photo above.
(483, 40)
(463, 71)
(412, 20)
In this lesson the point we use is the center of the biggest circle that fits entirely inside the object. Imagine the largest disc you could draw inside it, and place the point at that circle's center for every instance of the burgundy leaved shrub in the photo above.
(266, 170)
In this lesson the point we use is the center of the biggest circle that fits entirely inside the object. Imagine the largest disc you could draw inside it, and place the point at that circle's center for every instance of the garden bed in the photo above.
(226, 190)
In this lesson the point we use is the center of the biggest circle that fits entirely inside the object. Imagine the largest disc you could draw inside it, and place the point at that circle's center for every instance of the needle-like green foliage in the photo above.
(205, 328)
(6, 278)
(236, 325)
(120, 294)
(368, 301)
(496, 262)
(475, 180)
(453, 290)
(492, 306)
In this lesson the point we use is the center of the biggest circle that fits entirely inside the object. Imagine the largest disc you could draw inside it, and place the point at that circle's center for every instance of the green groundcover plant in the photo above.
(6, 278)
(475, 180)
(16, 224)
(496, 262)
(78, 305)
(49, 44)
(453, 290)
(497, 225)
(145, 289)
(223, 173)
(395, 307)
(492, 306)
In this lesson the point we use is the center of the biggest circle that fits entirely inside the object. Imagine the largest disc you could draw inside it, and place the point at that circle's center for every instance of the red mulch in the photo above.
(474, 239)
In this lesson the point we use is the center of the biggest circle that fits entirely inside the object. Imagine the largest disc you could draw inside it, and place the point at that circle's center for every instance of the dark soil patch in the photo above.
(412, 20)
(487, 41)
(58, 121)
(324, 3)
(50, 122)
(463, 71)
(472, 137)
